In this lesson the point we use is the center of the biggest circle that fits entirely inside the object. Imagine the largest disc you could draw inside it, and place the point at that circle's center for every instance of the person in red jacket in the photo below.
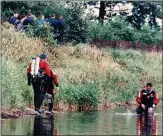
(147, 99)
(40, 82)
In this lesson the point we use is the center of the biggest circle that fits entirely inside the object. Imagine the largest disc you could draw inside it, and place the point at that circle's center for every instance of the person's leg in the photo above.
(42, 94)
(50, 91)
(139, 110)
(52, 101)
(36, 95)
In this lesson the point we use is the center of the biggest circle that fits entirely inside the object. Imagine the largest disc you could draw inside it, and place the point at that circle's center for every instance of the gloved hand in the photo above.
(143, 106)
(154, 106)
(54, 92)
(57, 89)
(150, 110)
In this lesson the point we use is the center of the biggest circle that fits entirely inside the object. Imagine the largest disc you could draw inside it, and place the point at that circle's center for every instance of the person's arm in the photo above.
(55, 79)
(29, 69)
(13, 20)
(156, 99)
(139, 97)
(29, 75)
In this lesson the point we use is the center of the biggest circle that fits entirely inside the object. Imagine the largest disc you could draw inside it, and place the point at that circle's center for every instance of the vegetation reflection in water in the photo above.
(87, 123)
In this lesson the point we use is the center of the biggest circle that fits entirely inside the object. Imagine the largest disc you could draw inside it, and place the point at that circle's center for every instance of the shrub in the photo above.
(42, 31)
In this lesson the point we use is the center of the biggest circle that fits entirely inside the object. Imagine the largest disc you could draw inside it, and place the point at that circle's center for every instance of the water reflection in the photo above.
(117, 122)
(147, 125)
(44, 126)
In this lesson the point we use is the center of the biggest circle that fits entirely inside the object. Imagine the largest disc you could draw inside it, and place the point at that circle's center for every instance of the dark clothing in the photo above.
(147, 98)
(12, 20)
(28, 21)
(49, 90)
(139, 110)
(53, 22)
(39, 86)
(60, 27)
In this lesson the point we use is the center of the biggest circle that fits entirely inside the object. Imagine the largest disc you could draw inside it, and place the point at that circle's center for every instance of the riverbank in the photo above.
(17, 113)
(7, 113)
(88, 77)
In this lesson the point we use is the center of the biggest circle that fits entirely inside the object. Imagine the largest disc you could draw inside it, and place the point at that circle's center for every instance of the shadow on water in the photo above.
(147, 125)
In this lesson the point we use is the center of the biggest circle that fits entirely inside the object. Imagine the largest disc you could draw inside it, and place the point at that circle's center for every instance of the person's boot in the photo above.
(38, 110)
(52, 112)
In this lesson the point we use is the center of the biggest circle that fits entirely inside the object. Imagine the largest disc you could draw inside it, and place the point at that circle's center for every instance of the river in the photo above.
(116, 122)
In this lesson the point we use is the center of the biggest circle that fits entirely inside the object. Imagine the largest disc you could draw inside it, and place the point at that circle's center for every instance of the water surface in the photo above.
(120, 121)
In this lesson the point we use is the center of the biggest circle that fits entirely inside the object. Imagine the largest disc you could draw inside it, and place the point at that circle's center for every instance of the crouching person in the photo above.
(147, 100)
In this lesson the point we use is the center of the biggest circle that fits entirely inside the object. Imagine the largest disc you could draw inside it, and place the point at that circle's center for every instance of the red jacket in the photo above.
(54, 78)
(43, 65)
(139, 98)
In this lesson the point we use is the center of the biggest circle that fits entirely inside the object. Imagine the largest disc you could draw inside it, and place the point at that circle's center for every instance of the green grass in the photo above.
(87, 76)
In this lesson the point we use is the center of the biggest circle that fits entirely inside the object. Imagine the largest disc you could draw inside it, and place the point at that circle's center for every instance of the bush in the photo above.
(15, 92)
(42, 31)
(76, 25)
(81, 95)
(119, 29)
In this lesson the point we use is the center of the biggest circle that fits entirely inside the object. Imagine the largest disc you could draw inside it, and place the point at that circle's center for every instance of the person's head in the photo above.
(53, 15)
(43, 56)
(16, 14)
(24, 16)
(149, 86)
(29, 14)
(42, 16)
(60, 18)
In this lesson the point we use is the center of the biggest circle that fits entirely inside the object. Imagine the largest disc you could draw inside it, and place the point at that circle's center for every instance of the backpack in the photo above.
(35, 70)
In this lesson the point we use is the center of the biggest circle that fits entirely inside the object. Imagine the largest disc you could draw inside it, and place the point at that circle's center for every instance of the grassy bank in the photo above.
(87, 75)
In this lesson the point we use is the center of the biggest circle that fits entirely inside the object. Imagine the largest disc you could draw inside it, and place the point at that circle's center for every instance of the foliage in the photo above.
(140, 12)
(87, 76)
(43, 31)
(15, 92)
(76, 25)
(119, 29)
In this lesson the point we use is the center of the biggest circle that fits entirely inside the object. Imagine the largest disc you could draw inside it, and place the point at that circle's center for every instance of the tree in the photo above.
(141, 11)
(76, 25)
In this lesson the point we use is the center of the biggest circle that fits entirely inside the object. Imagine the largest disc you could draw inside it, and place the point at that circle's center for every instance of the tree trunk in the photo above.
(102, 11)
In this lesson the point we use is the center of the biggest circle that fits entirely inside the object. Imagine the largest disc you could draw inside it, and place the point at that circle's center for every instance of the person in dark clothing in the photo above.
(60, 27)
(53, 22)
(147, 100)
(42, 20)
(20, 25)
(28, 21)
(50, 90)
(13, 19)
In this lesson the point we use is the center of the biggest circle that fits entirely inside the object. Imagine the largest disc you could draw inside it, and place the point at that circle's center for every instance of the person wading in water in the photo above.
(147, 100)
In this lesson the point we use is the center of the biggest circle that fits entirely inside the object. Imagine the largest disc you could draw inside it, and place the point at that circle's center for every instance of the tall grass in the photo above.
(87, 75)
